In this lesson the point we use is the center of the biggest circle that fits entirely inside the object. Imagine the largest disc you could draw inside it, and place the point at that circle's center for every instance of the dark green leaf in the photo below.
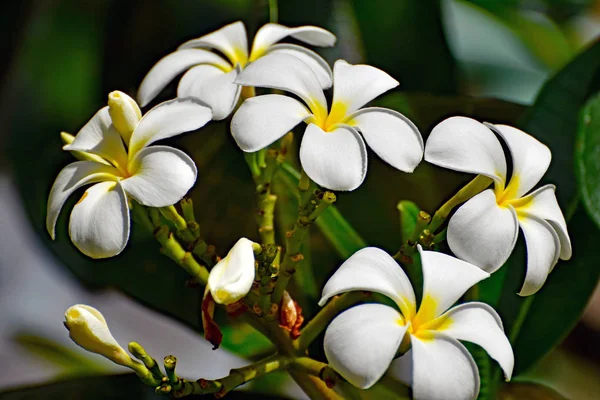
(587, 157)
(553, 119)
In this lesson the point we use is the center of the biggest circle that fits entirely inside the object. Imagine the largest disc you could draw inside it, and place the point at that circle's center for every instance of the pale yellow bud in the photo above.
(124, 112)
(88, 329)
(231, 279)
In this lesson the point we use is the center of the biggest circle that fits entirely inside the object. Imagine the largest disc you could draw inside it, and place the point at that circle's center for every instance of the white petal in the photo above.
(466, 145)
(213, 87)
(530, 158)
(172, 65)
(543, 250)
(100, 137)
(69, 179)
(391, 135)
(542, 203)
(480, 324)
(316, 63)
(230, 40)
(442, 369)
(99, 224)
(483, 233)
(161, 176)
(361, 342)
(270, 34)
(166, 120)
(356, 85)
(372, 270)
(445, 280)
(335, 160)
(232, 277)
(286, 72)
(261, 120)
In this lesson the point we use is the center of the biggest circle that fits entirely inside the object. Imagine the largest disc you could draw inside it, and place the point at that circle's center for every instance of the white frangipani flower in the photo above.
(231, 279)
(484, 230)
(210, 77)
(88, 329)
(333, 153)
(117, 159)
(362, 341)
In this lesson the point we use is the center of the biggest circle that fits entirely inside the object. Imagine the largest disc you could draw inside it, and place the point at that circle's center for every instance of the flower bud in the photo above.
(88, 329)
(124, 112)
(232, 277)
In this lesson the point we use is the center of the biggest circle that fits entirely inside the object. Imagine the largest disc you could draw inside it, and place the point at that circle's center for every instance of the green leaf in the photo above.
(332, 224)
(395, 39)
(554, 118)
(558, 306)
(587, 154)
(408, 218)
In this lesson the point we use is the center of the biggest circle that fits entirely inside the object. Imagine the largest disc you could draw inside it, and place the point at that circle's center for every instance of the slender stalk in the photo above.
(172, 249)
(523, 311)
(477, 185)
(273, 11)
(314, 387)
(320, 321)
(236, 377)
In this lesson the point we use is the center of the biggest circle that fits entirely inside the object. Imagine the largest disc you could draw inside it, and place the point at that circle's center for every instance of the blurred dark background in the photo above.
(61, 58)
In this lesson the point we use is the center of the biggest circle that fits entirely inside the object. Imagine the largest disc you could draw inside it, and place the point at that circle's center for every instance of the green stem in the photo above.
(477, 185)
(140, 353)
(273, 11)
(235, 378)
(172, 249)
(314, 387)
(520, 319)
(320, 321)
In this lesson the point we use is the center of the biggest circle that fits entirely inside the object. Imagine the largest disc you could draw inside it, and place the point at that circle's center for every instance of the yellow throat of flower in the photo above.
(329, 121)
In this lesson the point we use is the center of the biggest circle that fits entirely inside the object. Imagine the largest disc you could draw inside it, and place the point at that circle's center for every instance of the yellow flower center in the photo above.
(424, 323)
(329, 121)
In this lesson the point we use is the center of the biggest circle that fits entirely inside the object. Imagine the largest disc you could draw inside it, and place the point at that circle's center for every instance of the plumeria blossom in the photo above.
(231, 279)
(210, 76)
(362, 341)
(88, 329)
(484, 230)
(117, 159)
(332, 152)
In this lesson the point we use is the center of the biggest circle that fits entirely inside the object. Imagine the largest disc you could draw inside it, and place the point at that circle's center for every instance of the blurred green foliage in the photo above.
(72, 54)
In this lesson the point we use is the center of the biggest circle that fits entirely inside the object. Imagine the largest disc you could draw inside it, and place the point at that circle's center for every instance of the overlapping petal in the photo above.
(99, 224)
(480, 324)
(232, 277)
(230, 40)
(271, 33)
(361, 342)
(160, 176)
(530, 158)
(286, 72)
(336, 160)
(172, 65)
(168, 119)
(263, 119)
(372, 270)
(315, 62)
(542, 203)
(356, 85)
(98, 136)
(543, 250)
(466, 145)
(69, 179)
(213, 87)
(442, 369)
(391, 135)
(483, 233)
(445, 280)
